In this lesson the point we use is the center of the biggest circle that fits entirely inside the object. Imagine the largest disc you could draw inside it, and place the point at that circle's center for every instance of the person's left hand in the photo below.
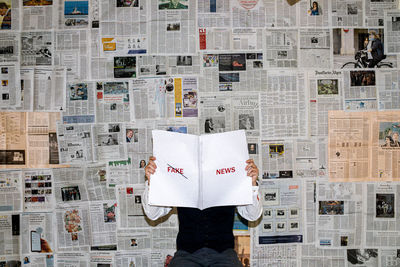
(252, 171)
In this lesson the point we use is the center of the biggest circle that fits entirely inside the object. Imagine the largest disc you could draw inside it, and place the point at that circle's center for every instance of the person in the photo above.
(6, 13)
(395, 138)
(142, 164)
(366, 41)
(388, 141)
(205, 237)
(172, 4)
(129, 135)
(314, 10)
(208, 126)
(374, 50)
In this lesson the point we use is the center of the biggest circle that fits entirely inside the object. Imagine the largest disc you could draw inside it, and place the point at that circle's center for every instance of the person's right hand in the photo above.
(150, 168)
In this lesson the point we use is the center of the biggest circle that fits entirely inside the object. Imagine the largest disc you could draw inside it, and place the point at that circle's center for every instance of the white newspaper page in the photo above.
(69, 186)
(176, 182)
(14, 260)
(311, 157)
(182, 125)
(213, 14)
(233, 72)
(37, 233)
(38, 190)
(173, 27)
(36, 48)
(314, 15)
(223, 178)
(325, 93)
(38, 15)
(132, 240)
(215, 113)
(75, 143)
(311, 256)
(9, 46)
(103, 222)
(10, 191)
(73, 226)
(246, 113)
(248, 13)
(27, 87)
(283, 106)
(38, 260)
(387, 84)
(381, 220)
(109, 141)
(112, 103)
(280, 48)
(286, 15)
(360, 92)
(392, 31)
(161, 257)
(69, 259)
(132, 258)
(10, 90)
(339, 215)
(347, 13)
(215, 39)
(315, 48)
(389, 257)
(138, 136)
(73, 14)
(100, 67)
(119, 172)
(375, 11)
(10, 234)
(81, 99)
(277, 255)
(101, 258)
(282, 220)
(96, 182)
(71, 49)
(366, 257)
(246, 39)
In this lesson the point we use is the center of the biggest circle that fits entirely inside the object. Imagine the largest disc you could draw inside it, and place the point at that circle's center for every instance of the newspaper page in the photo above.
(130, 212)
(10, 191)
(112, 103)
(138, 136)
(69, 186)
(13, 139)
(36, 48)
(286, 15)
(124, 27)
(37, 233)
(27, 87)
(161, 257)
(381, 220)
(132, 240)
(109, 142)
(101, 258)
(75, 143)
(309, 207)
(72, 52)
(42, 139)
(283, 106)
(100, 67)
(282, 220)
(366, 257)
(277, 255)
(315, 48)
(389, 257)
(254, 147)
(10, 89)
(10, 234)
(80, 103)
(387, 84)
(311, 256)
(215, 39)
(173, 27)
(151, 66)
(360, 91)
(347, 13)
(179, 125)
(325, 93)
(103, 222)
(277, 159)
(246, 39)
(182, 65)
(392, 31)
(248, 13)
(38, 15)
(9, 46)
(77, 258)
(73, 14)
(246, 113)
(339, 215)
(119, 172)
(211, 14)
(11, 18)
(215, 110)
(37, 260)
(233, 72)
(132, 258)
(50, 91)
(11, 260)
(314, 15)
(375, 11)
(38, 190)
(164, 237)
(311, 157)
(96, 182)
(280, 47)
(73, 226)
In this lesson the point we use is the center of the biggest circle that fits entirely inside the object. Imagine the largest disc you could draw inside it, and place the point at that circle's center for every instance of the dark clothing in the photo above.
(376, 52)
(6, 23)
(211, 228)
(205, 257)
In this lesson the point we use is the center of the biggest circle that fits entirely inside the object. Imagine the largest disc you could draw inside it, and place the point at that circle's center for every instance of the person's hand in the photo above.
(369, 50)
(252, 171)
(44, 246)
(150, 168)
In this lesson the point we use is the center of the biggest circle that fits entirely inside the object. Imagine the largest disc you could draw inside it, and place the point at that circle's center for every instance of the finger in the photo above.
(152, 164)
(249, 161)
(152, 158)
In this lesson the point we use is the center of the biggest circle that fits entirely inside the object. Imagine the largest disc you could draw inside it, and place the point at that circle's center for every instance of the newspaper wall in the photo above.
(10, 191)
(9, 46)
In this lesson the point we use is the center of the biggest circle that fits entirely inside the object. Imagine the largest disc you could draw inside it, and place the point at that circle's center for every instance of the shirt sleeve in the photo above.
(152, 212)
(253, 211)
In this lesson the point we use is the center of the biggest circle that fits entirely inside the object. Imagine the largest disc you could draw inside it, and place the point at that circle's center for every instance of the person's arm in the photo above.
(152, 212)
(253, 211)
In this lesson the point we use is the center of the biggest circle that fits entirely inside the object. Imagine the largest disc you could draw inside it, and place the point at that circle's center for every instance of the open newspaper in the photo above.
(200, 171)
